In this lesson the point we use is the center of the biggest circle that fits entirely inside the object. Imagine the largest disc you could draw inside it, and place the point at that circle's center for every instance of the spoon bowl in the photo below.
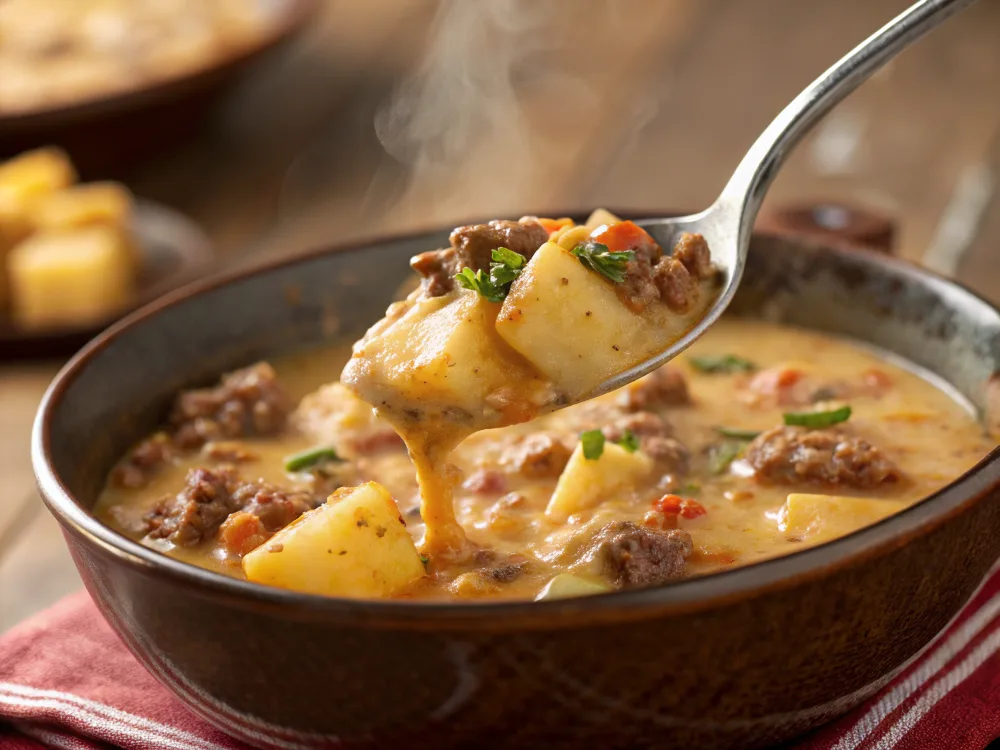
(727, 224)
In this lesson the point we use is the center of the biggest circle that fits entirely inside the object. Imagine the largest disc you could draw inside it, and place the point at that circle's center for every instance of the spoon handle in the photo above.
(746, 188)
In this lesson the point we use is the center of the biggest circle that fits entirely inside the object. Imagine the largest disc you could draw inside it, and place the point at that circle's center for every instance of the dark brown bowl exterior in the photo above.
(105, 135)
(736, 660)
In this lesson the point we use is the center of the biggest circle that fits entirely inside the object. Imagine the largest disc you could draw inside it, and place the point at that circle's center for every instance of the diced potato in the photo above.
(568, 321)
(355, 545)
(584, 482)
(600, 216)
(75, 276)
(442, 354)
(823, 517)
(566, 585)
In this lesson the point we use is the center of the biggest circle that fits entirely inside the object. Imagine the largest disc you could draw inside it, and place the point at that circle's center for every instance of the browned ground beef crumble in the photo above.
(793, 455)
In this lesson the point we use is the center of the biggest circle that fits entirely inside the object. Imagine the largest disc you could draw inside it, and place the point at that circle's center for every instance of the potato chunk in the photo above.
(566, 585)
(569, 322)
(819, 518)
(355, 545)
(71, 277)
(584, 482)
(441, 357)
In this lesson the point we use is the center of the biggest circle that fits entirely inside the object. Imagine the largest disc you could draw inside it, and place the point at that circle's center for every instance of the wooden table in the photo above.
(637, 103)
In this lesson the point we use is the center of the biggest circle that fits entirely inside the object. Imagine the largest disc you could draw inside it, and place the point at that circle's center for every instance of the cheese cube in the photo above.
(83, 205)
(71, 277)
(27, 178)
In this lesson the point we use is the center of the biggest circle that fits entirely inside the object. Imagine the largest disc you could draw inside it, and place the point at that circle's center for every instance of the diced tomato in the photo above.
(776, 383)
(554, 225)
(623, 235)
(656, 519)
(677, 505)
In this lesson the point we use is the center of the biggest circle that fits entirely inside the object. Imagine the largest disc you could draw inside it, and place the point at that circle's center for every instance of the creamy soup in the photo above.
(759, 441)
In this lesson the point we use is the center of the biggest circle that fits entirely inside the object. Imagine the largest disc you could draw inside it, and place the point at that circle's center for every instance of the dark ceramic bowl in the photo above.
(739, 659)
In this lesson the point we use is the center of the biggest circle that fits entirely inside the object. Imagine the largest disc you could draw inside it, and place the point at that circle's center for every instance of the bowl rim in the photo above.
(291, 20)
(684, 596)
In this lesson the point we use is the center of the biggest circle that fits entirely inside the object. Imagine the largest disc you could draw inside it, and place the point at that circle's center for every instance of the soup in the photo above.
(759, 441)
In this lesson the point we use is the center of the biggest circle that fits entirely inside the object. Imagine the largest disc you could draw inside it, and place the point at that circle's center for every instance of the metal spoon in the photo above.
(728, 223)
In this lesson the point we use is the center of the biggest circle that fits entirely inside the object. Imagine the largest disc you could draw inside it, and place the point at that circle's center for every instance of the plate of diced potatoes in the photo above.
(75, 256)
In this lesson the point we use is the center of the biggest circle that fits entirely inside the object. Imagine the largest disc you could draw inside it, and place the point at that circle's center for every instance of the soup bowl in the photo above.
(743, 658)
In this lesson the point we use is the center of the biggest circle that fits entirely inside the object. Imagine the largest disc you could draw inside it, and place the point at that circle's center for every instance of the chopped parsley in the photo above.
(736, 433)
(311, 458)
(689, 489)
(722, 364)
(597, 257)
(593, 444)
(629, 441)
(425, 559)
(818, 418)
(504, 268)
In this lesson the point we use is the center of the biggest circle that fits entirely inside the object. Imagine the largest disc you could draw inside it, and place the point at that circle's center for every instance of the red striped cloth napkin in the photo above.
(66, 681)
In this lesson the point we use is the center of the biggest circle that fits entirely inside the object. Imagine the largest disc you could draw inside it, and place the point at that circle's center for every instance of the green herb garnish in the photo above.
(307, 459)
(725, 363)
(736, 433)
(425, 559)
(723, 454)
(689, 489)
(629, 441)
(593, 444)
(597, 257)
(504, 268)
(818, 418)
(480, 282)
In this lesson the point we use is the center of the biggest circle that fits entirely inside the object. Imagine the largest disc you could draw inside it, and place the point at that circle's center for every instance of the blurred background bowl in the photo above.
(122, 126)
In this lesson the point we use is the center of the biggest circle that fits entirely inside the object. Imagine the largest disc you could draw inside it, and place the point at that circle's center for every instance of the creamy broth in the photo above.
(733, 514)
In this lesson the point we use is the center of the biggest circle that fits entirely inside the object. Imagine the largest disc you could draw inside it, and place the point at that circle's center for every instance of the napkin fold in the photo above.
(67, 681)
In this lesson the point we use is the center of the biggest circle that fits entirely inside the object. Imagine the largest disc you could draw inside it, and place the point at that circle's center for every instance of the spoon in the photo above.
(727, 223)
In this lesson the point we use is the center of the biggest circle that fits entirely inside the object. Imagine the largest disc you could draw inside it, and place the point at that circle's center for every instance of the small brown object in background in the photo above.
(833, 223)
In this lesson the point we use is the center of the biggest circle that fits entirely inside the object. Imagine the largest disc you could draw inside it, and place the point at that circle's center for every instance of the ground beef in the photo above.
(472, 246)
(671, 455)
(796, 455)
(210, 496)
(678, 288)
(537, 456)
(639, 289)
(672, 278)
(663, 387)
(247, 402)
(642, 424)
(228, 452)
(633, 556)
(692, 251)
(145, 459)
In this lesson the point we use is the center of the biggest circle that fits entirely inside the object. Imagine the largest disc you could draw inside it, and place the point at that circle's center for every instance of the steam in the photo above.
(459, 124)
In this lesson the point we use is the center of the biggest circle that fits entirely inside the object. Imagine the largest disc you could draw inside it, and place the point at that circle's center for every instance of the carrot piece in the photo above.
(554, 225)
(623, 235)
